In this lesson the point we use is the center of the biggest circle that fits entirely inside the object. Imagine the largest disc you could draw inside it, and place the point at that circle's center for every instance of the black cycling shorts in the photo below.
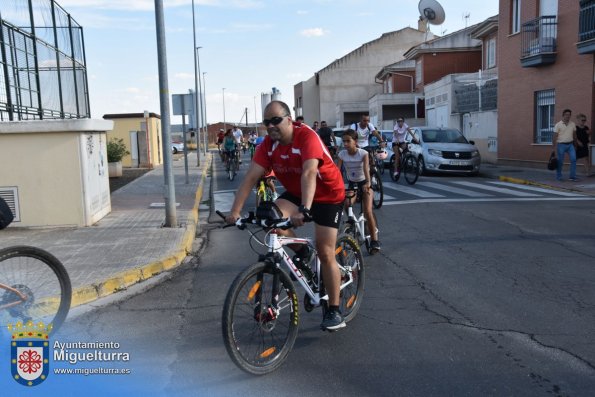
(323, 214)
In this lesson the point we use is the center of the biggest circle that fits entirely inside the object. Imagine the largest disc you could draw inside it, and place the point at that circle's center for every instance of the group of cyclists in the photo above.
(308, 165)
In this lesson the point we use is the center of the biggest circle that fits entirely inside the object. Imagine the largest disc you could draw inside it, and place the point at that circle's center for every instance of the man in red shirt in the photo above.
(314, 191)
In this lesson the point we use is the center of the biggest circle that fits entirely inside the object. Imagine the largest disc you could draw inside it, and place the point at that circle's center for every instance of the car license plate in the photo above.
(458, 162)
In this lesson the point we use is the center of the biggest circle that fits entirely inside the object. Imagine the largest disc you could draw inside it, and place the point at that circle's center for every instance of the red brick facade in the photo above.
(439, 64)
(571, 76)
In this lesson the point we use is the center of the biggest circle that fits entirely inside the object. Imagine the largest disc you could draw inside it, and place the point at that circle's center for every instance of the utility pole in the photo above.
(196, 77)
(170, 187)
(224, 125)
(206, 133)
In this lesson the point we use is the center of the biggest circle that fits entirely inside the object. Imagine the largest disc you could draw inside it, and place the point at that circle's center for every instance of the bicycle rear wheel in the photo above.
(376, 186)
(411, 169)
(34, 285)
(258, 333)
(350, 260)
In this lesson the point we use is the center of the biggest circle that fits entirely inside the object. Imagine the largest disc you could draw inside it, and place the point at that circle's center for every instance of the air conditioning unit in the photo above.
(10, 194)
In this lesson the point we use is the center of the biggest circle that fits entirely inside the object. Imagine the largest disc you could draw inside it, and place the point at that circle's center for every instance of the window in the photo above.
(418, 72)
(515, 26)
(491, 53)
(545, 102)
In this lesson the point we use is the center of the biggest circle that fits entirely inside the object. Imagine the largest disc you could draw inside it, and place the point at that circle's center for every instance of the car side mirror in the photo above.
(472, 142)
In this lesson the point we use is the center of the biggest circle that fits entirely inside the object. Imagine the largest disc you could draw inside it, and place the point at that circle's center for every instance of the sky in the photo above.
(248, 46)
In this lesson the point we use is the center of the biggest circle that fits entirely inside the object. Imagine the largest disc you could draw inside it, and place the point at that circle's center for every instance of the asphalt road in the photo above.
(466, 298)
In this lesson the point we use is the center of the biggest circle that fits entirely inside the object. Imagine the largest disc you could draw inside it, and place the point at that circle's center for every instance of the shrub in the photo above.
(116, 150)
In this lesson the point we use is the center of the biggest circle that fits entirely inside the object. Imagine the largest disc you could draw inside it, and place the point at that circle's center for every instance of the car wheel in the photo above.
(175, 150)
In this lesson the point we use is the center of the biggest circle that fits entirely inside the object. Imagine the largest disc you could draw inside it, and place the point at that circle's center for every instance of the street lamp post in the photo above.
(201, 91)
(204, 103)
(224, 125)
(196, 97)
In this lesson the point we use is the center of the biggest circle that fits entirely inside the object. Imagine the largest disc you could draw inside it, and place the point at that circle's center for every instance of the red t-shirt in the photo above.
(287, 161)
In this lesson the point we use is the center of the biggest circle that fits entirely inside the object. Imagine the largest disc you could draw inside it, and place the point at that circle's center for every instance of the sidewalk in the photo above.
(540, 177)
(129, 245)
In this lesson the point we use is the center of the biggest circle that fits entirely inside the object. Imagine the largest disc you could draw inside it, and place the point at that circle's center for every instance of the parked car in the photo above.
(177, 147)
(446, 150)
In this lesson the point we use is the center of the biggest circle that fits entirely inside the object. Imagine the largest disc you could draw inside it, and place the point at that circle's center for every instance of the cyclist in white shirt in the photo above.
(238, 135)
(399, 141)
(364, 130)
(357, 169)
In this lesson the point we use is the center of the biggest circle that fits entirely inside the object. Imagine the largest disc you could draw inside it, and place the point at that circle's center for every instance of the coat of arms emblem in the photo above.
(29, 352)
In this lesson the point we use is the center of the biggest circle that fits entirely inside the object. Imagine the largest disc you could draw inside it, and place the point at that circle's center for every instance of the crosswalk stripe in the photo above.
(496, 189)
(538, 189)
(452, 189)
(413, 191)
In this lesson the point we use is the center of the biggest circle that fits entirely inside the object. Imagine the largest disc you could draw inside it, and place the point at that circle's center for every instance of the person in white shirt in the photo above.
(238, 135)
(357, 169)
(364, 129)
(400, 132)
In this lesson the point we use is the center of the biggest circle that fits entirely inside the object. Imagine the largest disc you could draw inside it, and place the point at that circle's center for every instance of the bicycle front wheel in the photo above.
(411, 169)
(34, 286)
(260, 324)
(376, 185)
(350, 260)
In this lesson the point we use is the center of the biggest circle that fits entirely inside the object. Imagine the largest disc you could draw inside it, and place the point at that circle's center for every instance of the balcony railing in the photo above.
(538, 43)
(586, 27)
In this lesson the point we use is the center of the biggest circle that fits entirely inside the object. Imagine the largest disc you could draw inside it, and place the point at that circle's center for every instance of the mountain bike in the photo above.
(232, 164)
(409, 166)
(261, 315)
(357, 226)
(34, 286)
(375, 179)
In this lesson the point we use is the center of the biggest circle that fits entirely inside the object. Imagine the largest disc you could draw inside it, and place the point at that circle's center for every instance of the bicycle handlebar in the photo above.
(281, 223)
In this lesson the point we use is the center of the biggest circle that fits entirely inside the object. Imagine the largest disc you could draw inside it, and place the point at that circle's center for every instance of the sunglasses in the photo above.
(273, 120)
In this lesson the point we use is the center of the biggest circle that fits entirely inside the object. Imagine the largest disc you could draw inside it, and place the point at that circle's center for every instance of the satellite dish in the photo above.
(431, 11)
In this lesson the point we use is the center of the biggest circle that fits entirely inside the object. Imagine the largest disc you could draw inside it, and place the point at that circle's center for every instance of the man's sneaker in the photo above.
(374, 246)
(573, 179)
(333, 320)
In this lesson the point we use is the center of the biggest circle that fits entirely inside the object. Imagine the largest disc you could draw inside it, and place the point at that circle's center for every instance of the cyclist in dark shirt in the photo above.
(328, 137)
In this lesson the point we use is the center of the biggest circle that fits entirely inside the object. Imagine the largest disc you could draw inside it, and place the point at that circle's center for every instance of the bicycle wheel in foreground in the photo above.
(378, 192)
(258, 334)
(350, 259)
(33, 286)
(411, 169)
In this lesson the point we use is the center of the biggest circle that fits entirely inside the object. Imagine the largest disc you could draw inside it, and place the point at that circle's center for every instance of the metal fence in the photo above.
(43, 72)
(476, 92)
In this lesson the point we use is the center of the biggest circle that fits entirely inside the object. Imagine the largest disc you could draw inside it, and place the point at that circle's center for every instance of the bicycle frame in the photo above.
(358, 222)
(276, 252)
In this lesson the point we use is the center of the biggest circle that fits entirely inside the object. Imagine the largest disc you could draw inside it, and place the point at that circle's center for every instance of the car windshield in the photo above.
(443, 136)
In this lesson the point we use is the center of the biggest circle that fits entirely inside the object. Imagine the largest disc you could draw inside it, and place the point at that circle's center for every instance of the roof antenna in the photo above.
(466, 18)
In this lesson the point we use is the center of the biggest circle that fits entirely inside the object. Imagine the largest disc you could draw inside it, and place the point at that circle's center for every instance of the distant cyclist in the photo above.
(328, 138)
(229, 146)
(400, 142)
(365, 130)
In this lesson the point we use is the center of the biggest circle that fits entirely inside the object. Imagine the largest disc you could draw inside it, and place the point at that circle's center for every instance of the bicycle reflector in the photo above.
(268, 210)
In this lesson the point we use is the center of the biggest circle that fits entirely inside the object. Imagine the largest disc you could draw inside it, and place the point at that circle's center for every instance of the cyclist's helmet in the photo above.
(268, 210)
(381, 154)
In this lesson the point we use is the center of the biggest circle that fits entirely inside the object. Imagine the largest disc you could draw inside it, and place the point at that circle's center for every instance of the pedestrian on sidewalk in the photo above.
(583, 134)
(564, 141)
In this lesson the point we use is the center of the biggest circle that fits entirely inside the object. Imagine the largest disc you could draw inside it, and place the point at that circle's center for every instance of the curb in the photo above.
(121, 281)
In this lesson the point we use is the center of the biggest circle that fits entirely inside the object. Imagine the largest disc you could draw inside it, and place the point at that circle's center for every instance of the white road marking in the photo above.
(480, 200)
(413, 191)
(496, 189)
(539, 189)
(452, 189)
